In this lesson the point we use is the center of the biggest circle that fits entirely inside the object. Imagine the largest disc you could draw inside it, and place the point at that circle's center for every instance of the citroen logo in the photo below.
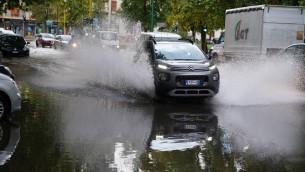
(191, 68)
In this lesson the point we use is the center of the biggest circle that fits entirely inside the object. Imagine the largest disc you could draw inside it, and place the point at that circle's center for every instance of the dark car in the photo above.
(181, 69)
(6, 71)
(62, 41)
(45, 39)
(12, 44)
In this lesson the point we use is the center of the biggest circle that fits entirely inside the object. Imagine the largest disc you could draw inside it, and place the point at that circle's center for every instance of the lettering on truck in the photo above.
(240, 34)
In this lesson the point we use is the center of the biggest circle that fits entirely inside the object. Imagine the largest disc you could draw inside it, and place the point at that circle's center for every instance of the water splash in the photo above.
(260, 81)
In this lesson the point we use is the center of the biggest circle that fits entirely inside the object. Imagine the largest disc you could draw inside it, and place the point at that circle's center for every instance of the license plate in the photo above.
(190, 127)
(192, 82)
(15, 51)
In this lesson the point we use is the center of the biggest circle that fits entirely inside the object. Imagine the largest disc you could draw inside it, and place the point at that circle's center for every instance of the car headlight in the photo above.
(117, 46)
(215, 76)
(74, 45)
(212, 67)
(163, 76)
(160, 66)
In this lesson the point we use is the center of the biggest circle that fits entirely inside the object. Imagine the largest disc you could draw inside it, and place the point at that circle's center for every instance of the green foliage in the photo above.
(69, 11)
(140, 10)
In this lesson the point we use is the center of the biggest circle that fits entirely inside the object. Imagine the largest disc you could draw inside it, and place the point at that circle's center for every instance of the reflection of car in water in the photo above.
(10, 136)
(108, 39)
(182, 127)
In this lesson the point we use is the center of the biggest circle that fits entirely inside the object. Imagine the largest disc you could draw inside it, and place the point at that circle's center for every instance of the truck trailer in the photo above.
(262, 30)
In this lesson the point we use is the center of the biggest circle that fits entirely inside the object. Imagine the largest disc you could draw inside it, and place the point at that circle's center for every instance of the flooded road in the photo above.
(96, 113)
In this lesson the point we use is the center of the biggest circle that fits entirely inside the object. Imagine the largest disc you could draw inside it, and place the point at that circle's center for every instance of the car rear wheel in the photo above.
(4, 107)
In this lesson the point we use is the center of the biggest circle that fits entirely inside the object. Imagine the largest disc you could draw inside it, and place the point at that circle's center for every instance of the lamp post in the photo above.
(152, 15)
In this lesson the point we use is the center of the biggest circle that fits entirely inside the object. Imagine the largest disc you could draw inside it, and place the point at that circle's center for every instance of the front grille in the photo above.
(186, 69)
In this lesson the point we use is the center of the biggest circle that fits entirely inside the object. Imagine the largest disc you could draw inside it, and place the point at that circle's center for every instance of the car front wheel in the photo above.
(4, 107)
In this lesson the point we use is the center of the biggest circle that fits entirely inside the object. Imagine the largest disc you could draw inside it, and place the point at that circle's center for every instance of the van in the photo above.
(108, 39)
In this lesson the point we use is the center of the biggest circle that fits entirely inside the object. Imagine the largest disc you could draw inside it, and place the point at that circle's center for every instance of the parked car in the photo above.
(181, 69)
(294, 50)
(6, 71)
(4, 31)
(10, 97)
(295, 56)
(45, 39)
(12, 44)
(62, 41)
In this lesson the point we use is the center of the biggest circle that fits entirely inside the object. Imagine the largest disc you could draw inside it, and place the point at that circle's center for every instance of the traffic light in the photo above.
(205, 29)
(24, 18)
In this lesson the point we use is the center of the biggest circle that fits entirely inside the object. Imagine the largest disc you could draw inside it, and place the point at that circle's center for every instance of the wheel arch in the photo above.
(6, 98)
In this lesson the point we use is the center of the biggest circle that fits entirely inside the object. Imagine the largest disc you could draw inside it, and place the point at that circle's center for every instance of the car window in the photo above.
(14, 39)
(178, 51)
(66, 38)
(295, 50)
(58, 38)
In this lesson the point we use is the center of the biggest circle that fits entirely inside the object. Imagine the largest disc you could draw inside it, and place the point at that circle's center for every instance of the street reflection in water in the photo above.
(9, 139)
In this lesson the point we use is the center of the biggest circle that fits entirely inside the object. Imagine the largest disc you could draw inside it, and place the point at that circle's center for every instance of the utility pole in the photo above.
(152, 15)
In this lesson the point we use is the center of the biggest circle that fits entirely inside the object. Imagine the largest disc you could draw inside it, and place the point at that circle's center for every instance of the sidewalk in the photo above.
(29, 38)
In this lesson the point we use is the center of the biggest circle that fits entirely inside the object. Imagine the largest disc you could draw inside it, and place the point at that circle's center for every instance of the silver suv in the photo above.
(181, 69)
(10, 97)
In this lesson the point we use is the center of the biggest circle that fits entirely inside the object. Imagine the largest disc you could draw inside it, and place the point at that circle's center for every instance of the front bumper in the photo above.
(15, 52)
(175, 85)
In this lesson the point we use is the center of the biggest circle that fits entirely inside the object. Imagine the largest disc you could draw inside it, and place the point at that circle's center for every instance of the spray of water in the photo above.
(114, 69)
(260, 81)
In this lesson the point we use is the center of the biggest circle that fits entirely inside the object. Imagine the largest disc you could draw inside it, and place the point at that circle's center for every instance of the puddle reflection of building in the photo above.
(10, 136)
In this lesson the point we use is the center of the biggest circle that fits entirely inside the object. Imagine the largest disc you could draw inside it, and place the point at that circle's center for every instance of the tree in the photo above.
(140, 10)
(69, 12)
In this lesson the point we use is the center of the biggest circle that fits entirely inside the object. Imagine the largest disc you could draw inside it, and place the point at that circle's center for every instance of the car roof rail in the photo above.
(189, 40)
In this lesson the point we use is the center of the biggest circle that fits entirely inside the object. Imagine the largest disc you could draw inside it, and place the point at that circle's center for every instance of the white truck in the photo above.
(262, 30)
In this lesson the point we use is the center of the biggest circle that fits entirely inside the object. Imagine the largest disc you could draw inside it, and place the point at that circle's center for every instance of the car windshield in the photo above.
(178, 51)
(66, 38)
(14, 39)
(295, 50)
(48, 36)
